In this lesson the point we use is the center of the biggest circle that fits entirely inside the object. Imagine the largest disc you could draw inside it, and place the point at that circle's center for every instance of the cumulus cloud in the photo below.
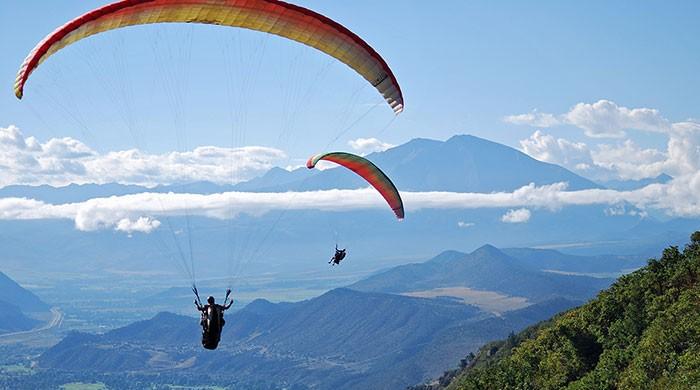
(602, 119)
(516, 216)
(365, 146)
(139, 212)
(142, 224)
(623, 209)
(61, 161)
(545, 147)
(624, 159)
(463, 224)
(630, 161)
(606, 119)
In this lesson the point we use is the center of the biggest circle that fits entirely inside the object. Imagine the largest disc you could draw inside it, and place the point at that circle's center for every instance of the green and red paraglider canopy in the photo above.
(368, 171)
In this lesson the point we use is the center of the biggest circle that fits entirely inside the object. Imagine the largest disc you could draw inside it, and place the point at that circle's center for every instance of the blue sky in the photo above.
(606, 89)
(463, 67)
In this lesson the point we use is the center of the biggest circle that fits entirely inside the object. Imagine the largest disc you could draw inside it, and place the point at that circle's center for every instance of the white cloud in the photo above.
(615, 210)
(139, 212)
(679, 197)
(625, 160)
(323, 165)
(605, 119)
(365, 146)
(463, 224)
(534, 118)
(602, 119)
(622, 160)
(630, 161)
(516, 216)
(623, 209)
(545, 147)
(142, 224)
(683, 148)
(61, 161)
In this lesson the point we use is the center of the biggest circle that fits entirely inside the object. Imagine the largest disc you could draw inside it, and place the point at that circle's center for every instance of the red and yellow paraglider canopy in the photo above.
(269, 16)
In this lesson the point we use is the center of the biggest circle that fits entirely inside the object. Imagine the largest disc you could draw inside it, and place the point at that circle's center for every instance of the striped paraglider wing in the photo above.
(270, 16)
(368, 171)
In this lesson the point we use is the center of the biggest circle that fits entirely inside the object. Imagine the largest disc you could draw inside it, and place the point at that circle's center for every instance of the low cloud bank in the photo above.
(140, 212)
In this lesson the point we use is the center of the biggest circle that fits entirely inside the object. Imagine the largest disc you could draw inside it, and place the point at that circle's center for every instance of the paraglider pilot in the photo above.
(212, 319)
(338, 256)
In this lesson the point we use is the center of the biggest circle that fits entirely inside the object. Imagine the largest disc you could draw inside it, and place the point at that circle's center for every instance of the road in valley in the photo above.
(55, 321)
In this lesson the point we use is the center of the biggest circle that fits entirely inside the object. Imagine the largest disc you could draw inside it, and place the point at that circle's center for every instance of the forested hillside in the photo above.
(641, 333)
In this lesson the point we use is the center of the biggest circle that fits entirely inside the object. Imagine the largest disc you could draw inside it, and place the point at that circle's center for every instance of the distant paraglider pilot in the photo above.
(338, 256)
(212, 320)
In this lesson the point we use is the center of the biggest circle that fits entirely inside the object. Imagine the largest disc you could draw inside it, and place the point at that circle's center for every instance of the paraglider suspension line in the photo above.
(228, 293)
(196, 294)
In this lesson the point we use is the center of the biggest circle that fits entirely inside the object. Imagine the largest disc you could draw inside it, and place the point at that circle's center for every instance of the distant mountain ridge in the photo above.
(463, 163)
(13, 320)
(12, 292)
(628, 185)
(486, 268)
(15, 302)
(343, 339)
(642, 333)
(549, 259)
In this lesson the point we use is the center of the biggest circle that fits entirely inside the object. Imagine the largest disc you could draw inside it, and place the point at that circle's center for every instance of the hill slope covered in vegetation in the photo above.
(641, 333)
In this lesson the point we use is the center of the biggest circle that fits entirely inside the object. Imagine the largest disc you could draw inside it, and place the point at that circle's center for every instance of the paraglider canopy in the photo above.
(270, 16)
(368, 171)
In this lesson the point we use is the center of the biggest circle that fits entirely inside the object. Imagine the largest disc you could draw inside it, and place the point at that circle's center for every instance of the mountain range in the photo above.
(15, 303)
(463, 163)
(642, 333)
(487, 268)
(293, 241)
(12, 319)
(19, 296)
(345, 338)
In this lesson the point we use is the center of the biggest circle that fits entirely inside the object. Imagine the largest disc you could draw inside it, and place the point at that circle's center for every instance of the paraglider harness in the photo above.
(212, 320)
(338, 256)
